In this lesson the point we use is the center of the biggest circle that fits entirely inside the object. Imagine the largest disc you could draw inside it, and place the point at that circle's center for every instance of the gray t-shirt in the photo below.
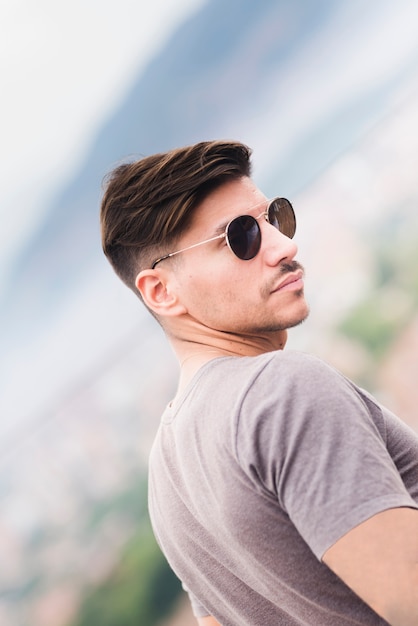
(260, 466)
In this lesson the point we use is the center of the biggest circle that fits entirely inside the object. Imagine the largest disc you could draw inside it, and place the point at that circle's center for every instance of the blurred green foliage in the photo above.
(369, 324)
(129, 503)
(142, 588)
(378, 319)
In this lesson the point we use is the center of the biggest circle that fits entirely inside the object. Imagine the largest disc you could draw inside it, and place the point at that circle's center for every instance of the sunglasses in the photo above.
(243, 234)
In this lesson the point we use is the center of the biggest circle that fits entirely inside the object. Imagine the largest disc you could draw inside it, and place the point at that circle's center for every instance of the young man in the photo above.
(280, 493)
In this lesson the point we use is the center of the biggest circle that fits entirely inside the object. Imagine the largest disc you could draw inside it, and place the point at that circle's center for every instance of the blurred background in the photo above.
(326, 94)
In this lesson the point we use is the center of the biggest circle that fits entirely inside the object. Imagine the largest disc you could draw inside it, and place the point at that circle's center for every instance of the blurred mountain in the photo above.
(214, 78)
(228, 49)
(300, 82)
(211, 78)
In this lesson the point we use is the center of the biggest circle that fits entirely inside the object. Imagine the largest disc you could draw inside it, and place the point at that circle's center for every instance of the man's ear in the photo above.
(157, 290)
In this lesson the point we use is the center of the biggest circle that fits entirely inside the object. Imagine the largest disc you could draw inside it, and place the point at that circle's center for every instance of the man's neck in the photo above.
(201, 347)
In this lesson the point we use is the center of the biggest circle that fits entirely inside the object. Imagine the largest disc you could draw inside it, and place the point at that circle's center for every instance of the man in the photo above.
(280, 493)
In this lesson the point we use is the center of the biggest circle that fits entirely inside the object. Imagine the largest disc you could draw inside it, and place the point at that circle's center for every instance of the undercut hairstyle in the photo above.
(148, 204)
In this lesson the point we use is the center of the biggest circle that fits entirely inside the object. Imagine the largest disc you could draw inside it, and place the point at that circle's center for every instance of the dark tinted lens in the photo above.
(282, 216)
(244, 237)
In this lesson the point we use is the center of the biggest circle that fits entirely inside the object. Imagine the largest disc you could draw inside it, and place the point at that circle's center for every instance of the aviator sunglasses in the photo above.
(243, 234)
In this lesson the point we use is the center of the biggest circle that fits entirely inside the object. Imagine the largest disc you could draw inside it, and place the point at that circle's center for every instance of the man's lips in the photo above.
(292, 281)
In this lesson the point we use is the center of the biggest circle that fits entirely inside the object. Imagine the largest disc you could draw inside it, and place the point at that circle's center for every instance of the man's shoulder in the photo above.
(298, 387)
(294, 367)
(281, 369)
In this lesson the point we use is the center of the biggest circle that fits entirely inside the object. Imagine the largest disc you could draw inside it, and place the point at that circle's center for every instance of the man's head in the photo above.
(158, 212)
(148, 204)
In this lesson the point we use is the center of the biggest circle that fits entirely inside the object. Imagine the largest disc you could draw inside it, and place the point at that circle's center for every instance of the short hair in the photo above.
(147, 204)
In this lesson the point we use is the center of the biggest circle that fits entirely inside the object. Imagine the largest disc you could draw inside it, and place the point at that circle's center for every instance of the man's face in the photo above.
(225, 293)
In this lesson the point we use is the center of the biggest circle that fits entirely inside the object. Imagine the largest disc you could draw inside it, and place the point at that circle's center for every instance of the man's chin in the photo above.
(294, 320)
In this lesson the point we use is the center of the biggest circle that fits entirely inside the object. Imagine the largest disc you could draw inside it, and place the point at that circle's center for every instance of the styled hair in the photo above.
(148, 204)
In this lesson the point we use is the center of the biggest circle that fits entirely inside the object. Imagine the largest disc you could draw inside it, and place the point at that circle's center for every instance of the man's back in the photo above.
(259, 467)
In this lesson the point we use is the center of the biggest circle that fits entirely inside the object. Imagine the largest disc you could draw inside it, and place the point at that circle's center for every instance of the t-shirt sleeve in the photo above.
(308, 438)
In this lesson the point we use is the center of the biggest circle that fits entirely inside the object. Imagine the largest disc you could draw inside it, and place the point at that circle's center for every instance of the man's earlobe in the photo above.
(157, 293)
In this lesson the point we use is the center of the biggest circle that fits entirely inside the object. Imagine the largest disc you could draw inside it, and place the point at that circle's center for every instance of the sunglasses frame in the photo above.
(264, 213)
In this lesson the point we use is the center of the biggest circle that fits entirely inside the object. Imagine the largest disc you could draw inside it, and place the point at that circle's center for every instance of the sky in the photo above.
(64, 67)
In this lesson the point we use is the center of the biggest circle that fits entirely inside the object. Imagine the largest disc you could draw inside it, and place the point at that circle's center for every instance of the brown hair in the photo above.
(147, 204)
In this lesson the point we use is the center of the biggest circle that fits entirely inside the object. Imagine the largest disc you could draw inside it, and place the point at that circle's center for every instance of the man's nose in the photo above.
(276, 247)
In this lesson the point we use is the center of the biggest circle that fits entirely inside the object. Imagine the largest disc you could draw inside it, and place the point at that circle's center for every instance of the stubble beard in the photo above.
(290, 321)
(285, 323)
